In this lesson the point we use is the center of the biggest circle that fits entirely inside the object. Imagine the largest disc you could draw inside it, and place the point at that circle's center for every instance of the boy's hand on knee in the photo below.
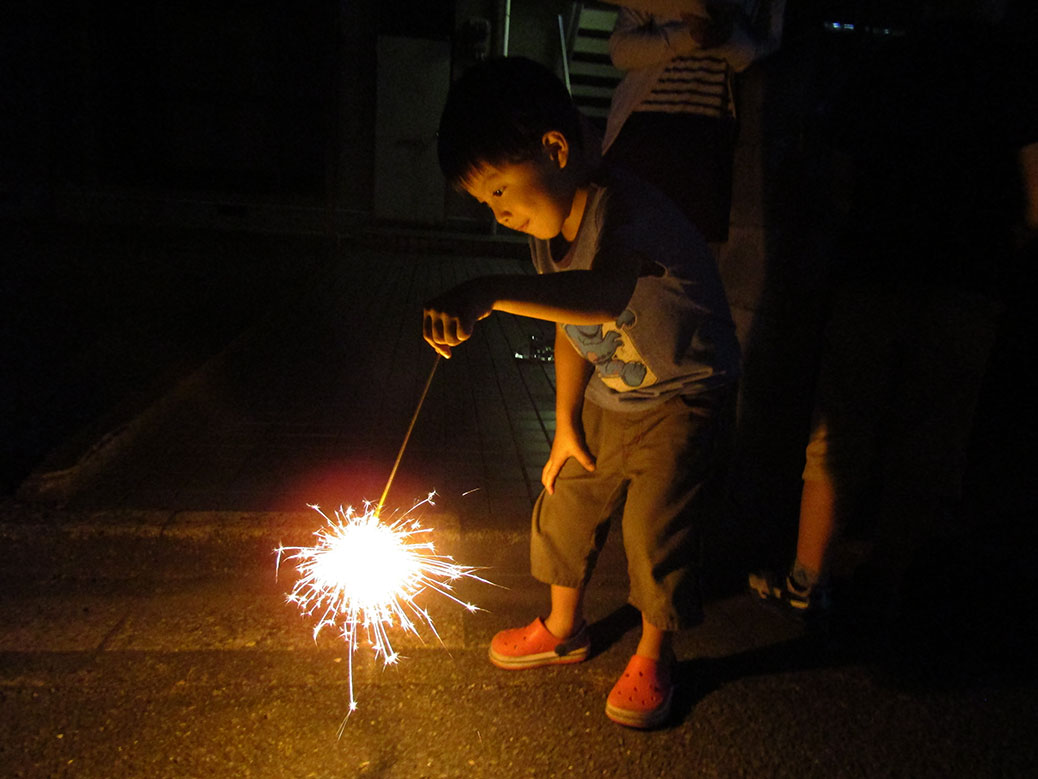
(567, 443)
(449, 319)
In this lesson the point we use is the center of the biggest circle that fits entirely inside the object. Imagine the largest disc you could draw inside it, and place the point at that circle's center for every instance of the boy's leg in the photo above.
(642, 696)
(669, 460)
(567, 611)
(568, 529)
(655, 642)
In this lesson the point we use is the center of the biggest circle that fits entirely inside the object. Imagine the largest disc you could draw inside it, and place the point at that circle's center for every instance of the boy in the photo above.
(645, 360)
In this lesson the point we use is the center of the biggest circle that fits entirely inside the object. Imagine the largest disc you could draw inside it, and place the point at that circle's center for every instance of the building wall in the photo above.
(262, 115)
(246, 103)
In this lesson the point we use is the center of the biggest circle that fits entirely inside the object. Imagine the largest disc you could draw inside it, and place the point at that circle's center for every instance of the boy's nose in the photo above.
(502, 215)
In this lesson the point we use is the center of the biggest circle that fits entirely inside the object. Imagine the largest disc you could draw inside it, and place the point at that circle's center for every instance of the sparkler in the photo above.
(363, 574)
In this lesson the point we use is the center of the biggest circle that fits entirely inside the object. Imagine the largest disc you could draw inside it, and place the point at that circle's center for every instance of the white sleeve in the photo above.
(640, 40)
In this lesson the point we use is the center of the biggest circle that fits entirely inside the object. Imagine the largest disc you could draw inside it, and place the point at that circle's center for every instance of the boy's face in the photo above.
(535, 197)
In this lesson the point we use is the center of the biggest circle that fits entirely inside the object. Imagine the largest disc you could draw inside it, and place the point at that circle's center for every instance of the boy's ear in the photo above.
(556, 147)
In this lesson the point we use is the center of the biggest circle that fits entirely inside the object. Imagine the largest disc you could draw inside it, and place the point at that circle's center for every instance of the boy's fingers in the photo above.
(444, 329)
(583, 456)
(429, 326)
(443, 351)
(548, 474)
(553, 466)
(432, 332)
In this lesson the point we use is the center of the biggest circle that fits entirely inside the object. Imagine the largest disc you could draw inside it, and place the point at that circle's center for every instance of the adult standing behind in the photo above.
(942, 219)
(672, 118)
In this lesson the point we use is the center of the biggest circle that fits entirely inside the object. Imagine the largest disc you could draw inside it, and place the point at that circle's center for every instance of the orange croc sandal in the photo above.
(533, 646)
(642, 696)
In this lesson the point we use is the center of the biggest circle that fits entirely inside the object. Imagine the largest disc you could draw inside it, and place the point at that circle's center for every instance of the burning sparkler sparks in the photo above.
(363, 575)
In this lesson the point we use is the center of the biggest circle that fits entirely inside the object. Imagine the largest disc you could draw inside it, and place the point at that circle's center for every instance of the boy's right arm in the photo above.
(572, 372)
(579, 297)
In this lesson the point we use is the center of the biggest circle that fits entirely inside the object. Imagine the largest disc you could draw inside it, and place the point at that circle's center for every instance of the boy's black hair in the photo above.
(498, 111)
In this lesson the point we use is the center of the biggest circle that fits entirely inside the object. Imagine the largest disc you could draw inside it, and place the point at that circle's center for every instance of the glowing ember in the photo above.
(363, 575)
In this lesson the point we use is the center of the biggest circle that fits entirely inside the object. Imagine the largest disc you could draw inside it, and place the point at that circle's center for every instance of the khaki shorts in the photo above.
(651, 467)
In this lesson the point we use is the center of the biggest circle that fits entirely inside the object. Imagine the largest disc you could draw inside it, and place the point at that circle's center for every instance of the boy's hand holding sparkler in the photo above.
(450, 318)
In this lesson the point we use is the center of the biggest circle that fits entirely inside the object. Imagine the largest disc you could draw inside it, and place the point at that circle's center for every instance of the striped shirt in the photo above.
(692, 85)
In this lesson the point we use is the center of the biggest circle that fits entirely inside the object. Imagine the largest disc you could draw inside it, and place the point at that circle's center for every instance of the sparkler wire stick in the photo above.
(407, 436)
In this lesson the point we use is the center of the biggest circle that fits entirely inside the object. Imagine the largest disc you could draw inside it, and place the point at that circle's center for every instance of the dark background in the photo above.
(169, 170)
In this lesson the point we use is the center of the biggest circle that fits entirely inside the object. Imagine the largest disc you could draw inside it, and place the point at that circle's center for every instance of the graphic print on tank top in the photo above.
(616, 359)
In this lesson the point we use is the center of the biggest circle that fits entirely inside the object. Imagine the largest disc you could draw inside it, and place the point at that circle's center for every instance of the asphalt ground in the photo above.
(149, 644)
